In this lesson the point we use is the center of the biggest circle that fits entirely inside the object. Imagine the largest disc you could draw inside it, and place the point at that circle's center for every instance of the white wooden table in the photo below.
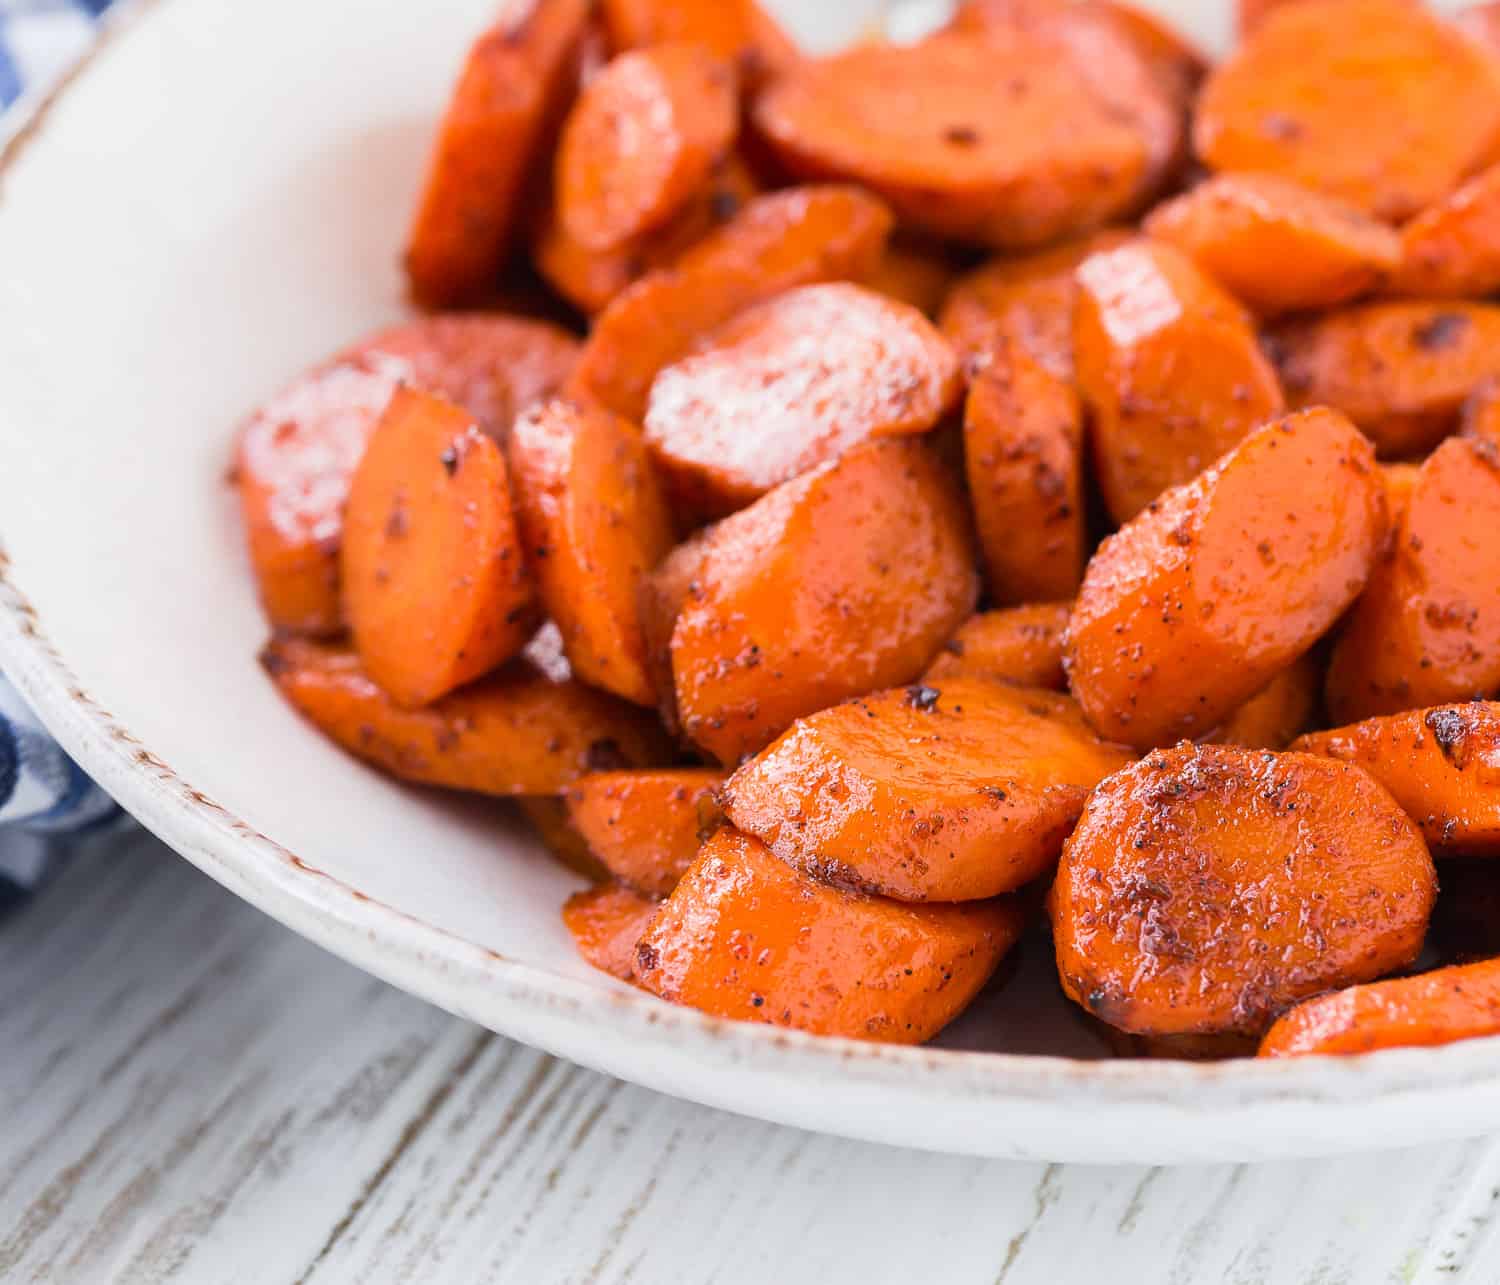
(188, 1092)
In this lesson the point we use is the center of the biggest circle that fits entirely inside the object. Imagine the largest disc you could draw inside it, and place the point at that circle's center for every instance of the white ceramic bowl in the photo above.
(214, 200)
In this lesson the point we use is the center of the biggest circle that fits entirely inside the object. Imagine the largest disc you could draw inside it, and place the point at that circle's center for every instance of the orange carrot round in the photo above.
(548, 816)
(646, 827)
(1021, 645)
(1278, 713)
(738, 31)
(1453, 247)
(606, 923)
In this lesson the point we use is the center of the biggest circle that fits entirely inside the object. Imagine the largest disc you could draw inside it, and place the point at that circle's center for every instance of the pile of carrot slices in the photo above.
(869, 508)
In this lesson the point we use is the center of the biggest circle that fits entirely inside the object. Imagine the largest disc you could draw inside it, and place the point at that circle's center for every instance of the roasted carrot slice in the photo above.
(606, 923)
(790, 383)
(1427, 630)
(297, 452)
(914, 272)
(643, 136)
(594, 522)
(1208, 887)
(778, 241)
(1278, 713)
(646, 827)
(1195, 605)
(736, 30)
(1378, 102)
(1440, 1007)
(1001, 139)
(659, 599)
(1021, 645)
(746, 936)
(510, 88)
(1025, 298)
(1023, 448)
(1170, 368)
(1275, 245)
(926, 794)
(549, 818)
(1401, 371)
(1442, 765)
(1453, 248)
(845, 580)
(526, 729)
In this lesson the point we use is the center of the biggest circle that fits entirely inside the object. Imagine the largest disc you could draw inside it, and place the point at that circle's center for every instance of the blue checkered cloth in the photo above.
(46, 801)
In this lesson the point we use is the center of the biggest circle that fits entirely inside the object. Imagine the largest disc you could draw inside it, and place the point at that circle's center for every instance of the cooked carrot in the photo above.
(1427, 630)
(1376, 101)
(510, 88)
(1023, 448)
(1021, 645)
(738, 31)
(746, 936)
(1275, 245)
(435, 587)
(790, 383)
(914, 272)
(778, 241)
(1002, 139)
(1441, 764)
(1440, 1007)
(1480, 417)
(1207, 887)
(1400, 480)
(643, 136)
(594, 522)
(926, 794)
(1278, 713)
(659, 599)
(297, 452)
(1169, 367)
(524, 730)
(549, 818)
(1453, 248)
(1026, 298)
(646, 827)
(1195, 605)
(606, 923)
(845, 580)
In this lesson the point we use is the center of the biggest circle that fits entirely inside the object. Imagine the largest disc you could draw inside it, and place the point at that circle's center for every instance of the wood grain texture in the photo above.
(188, 1092)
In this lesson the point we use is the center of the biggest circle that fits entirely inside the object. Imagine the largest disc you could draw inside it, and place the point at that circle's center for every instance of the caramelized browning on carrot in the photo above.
(738, 31)
(1170, 369)
(1453, 248)
(1376, 101)
(606, 923)
(1440, 1007)
(778, 241)
(549, 818)
(1023, 447)
(1022, 645)
(924, 793)
(790, 383)
(746, 936)
(840, 582)
(1278, 713)
(1275, 245)
(646, 827)
(1194, 606)
(1208, 887)
(1427, 630)
(523, 730)
(1400, 371)
(594, 523)
(509, 90)
(915, 273)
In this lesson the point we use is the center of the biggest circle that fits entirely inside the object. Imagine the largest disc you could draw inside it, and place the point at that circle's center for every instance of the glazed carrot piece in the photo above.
(606, 923)
(1427, 629)
(594, 521)
(1001, 139)
(1195, 605)
(646, 827)
(746, 936)
(1025, 298)
(1023, 449)
(1207, 887)
(1169, 367)
(659, 600)
(549, 818)
(643, 136)
(525, 729)
(511, 86)
(1021, 645)
(1278, 713)
(926, 794)
(738, 31)
(1442, 765)
(847, 579)
(1453, 248)
(436, 590)
(758, 404)
(1440, 1007)
(297, 452)
(1236, 226)
(914, 273)
(1480, 417)
(778, 241)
